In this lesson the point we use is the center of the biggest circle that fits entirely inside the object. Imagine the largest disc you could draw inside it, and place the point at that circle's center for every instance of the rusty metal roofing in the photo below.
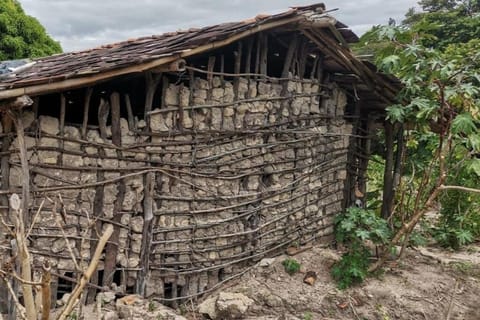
(132, 52)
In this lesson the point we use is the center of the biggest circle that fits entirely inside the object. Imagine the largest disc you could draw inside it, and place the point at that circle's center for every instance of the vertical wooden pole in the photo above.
(7, 125)
(131, 119)
(97, 212)
(24, 257)
(111, 249)
(151, 83)
(388, 173)
(248, 57)
(86, 110)
(257, 53)
(292, 47)
(264, 54)
(63, 102)
(147, 233)
(222, 68)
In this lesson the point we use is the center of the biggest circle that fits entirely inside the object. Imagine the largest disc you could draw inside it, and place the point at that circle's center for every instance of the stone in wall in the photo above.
(172, 95)
(74, 134)
(49, 125)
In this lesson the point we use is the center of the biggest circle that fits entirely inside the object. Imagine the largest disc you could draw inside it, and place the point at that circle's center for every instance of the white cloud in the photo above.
(82, 24)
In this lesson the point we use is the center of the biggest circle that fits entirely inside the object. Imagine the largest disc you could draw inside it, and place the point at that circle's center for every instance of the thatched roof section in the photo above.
(76, 69)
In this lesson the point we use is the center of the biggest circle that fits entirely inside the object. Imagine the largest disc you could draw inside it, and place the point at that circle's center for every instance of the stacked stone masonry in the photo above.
(234, 182)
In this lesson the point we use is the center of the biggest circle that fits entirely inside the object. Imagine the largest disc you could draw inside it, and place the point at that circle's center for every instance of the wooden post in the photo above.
(147, 234)
(23, 217)
(151, 83)
(86, 110)
(292, 47)
(103, 112)
(111, 249)
(7, 124)
(257, 53)
(264, 54)
(210, 69)
(222, 68)
(388, 196)
(63, 102)
(302, 59)
(248, 58)
(238, 62)
(130, 117)
(97, 210)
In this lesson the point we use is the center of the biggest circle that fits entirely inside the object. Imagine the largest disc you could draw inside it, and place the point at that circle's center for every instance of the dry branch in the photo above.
(87, 274)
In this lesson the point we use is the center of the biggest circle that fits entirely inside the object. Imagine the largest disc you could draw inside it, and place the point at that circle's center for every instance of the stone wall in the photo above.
(234, 182)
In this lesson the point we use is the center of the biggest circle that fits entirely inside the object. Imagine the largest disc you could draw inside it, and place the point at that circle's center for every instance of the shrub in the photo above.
(354, 228)
(291, 266)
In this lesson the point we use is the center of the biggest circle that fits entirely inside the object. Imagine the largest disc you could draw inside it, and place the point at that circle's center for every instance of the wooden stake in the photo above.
(264, 53)
(248, 58)
(151, 83)
(116, 130)
(103, 112)
(131, 119)
(63, 102)
(86, 110)
(147, 233)
(292, 47)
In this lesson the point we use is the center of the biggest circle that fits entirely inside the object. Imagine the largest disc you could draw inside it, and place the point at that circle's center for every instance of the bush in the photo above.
(354, 228)
(291, 266)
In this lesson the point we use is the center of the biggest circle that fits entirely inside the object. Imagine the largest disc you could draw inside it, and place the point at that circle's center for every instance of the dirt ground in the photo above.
(427, 284)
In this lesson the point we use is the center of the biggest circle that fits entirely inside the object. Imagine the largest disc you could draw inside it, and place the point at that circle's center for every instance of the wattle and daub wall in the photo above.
(231, 176)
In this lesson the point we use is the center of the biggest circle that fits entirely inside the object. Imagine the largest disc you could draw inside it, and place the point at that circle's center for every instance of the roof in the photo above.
(75, 69)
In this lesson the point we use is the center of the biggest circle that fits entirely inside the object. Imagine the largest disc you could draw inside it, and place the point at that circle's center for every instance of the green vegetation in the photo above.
(436, 55)
(356, 228)
(22, 36)
(291, 266)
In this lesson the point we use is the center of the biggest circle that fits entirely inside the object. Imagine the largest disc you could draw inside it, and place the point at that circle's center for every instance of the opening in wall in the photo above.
(65, 286)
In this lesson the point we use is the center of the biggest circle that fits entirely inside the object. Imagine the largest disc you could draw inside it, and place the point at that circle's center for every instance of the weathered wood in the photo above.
(264, 53)
(151, 83)
(147, 235)
(248, 57)
(86, 110)
(7, 125)
(63, 102)
(222, 68)
(130, 117)
(97, 212)
(292, 47)
(116, 130)
(22, 219)
(103, 112)
(92, 267)
(257, 53)
(238, 58)
(302, 59)
(46, 290)
(111, 249)
(388, 196)
(210, 67)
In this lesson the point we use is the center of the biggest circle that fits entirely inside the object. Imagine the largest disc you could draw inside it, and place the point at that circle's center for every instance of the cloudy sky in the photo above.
(82, 24)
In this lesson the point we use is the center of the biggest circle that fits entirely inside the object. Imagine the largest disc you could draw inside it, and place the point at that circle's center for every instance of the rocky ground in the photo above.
(427, 284)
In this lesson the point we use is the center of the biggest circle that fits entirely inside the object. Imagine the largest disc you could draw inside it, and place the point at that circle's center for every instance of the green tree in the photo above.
(22, 36)
(436, 55)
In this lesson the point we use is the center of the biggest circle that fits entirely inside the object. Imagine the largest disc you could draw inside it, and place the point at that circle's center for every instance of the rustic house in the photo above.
(207, 149)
